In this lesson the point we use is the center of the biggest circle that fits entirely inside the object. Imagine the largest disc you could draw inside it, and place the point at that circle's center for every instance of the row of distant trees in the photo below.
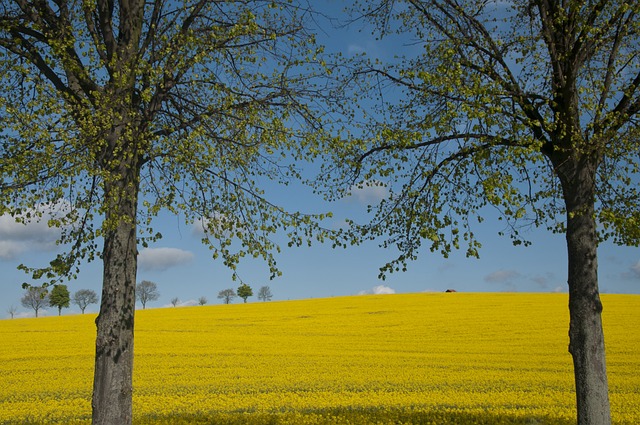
(148, 291)
(244, 291)
(38, 298)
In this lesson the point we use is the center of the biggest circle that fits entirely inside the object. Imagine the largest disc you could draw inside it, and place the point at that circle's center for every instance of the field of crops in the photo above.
(391, 359)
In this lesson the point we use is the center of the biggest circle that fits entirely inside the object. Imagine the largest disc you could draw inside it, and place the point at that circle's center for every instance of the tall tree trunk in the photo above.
(585, 329)
(112, 386)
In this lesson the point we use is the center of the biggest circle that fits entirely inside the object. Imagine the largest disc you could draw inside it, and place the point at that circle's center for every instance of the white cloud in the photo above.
(200, 226)
(543, 281)
(378, 290)
(355, 49)
(636, 269)
(369, 46)
(30, 313)
(369, 193)
(381, 289)
(160, 259)
(188, 303)
(502, 276)
(17, 238)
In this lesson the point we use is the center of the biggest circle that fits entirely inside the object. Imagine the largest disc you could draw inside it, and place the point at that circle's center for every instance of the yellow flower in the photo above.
(390, 359)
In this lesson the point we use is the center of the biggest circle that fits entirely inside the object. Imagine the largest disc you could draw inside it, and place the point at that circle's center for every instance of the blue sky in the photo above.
(182, 267)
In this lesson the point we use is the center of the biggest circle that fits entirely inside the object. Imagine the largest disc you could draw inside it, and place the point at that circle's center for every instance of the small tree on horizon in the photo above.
(83, 297)
(36, 298)
(12, 310)
(202, 300)
(227, 295)
(265, 294)
(175, 301)
(60, 297)
(244, 291)
(146, 291)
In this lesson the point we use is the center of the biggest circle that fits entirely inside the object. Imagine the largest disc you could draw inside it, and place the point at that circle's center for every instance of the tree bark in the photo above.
(586, 337)
(112, 387)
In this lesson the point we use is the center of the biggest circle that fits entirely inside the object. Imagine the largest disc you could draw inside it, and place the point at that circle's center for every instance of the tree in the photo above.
(83, 297)
(265, 294)
(227, 295)
(202, 300)
(12, 310)
(59, 297)
(35, 297)
(175, 301)
(244, 291)
(529, 106)
(116, 110)
(147, 291)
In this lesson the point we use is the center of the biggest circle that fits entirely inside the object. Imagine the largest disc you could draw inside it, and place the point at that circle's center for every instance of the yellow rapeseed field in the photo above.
(390, 359)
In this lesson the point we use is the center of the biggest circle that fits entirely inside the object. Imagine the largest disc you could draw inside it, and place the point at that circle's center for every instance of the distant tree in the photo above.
(147, 291)
(35, 297)
(265, 294)
(202, 300)
(60, 297)
(12, 310)
(227, 295)
(244, 291)
(84, 297)
(175, 301)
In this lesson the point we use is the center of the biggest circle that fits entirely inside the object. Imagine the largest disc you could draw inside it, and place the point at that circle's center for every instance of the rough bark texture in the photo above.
(585, 330)
(112, 387)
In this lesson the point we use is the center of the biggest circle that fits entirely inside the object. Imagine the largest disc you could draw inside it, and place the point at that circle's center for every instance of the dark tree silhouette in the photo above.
(147, 291)
(83, 297)
(36, 298)
(264, 293)
(226, 295)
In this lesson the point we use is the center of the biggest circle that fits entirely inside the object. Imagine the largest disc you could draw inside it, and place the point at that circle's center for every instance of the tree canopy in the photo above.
(147, 291)
(36, 298)
(264, 293)
(83, 297)
(244, 291)
(226, 295)
(59, 297)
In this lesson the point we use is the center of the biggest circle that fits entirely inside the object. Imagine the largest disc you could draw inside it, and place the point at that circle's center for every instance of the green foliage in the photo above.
(203, 104)
(493, 107)
(244, 291)
(59, 297)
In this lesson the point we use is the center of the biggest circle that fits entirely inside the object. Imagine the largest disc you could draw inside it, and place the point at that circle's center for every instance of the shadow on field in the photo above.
(353, 416)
